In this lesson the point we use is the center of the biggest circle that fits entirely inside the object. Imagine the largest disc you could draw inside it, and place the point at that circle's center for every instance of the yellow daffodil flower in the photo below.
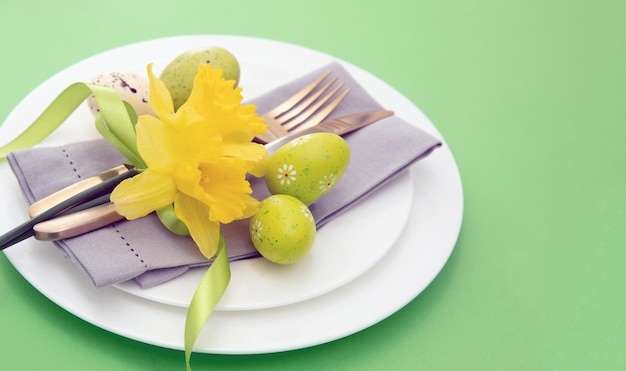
(197, 158)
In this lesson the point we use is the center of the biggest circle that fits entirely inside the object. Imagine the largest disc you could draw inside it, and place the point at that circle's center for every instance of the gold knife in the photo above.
(80, 222)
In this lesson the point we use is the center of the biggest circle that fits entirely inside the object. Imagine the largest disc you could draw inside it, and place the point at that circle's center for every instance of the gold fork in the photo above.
(302, 110)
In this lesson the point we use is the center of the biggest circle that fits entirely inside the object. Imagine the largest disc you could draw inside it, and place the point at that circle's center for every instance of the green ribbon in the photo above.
(116, 121)
(205, 299)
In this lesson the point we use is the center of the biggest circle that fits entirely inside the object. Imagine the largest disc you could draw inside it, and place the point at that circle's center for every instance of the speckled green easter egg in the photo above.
(308, 166)
(283, 230)
(179, 74)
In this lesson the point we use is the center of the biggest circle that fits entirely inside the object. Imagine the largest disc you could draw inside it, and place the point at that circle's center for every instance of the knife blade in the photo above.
(73, 224)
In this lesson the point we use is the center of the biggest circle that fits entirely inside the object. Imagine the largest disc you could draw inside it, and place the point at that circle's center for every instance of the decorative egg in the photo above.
(179, 74)
(308, 166)
(130, 86)
(283, 230)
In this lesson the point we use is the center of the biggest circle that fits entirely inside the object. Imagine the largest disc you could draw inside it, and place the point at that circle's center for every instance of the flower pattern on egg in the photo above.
(327, 183)
(300, 140)
(286, 174)
(307, 213)
(256, 230)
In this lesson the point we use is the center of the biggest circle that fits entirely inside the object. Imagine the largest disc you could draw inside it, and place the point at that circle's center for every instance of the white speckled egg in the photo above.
(131, 87)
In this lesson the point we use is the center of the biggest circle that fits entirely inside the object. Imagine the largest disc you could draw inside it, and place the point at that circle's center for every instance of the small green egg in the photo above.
(308, 166)
(283, 230)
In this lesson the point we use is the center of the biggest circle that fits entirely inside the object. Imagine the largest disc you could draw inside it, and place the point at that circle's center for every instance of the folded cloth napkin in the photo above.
(145, 251)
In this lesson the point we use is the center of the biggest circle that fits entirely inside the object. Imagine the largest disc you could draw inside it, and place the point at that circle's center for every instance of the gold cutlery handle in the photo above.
(77, 223)
(46, 203)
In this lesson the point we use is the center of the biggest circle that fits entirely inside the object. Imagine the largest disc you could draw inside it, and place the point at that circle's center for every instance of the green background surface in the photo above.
(529, 95)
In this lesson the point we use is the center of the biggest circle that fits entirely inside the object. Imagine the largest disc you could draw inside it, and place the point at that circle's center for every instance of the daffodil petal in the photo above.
(143, 194)
(160, 98)
(255, 155)
(251, 206)
(195, 215)
(197, 95)
(155, 144)
(184, 117)
(243, 124)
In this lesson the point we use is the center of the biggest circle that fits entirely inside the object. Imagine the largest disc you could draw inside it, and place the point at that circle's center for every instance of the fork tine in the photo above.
(291, 102)
(304, 104)
(308, 107)
(303, 109)
(321, 115)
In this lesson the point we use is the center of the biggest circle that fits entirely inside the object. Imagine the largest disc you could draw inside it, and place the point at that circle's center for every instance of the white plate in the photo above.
(416, 258)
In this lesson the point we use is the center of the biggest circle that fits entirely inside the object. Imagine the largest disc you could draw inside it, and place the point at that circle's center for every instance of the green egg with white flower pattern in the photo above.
(283, 230)
(308, 167)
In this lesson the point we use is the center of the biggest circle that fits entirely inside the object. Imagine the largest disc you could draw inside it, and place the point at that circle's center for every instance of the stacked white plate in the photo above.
(365, 265)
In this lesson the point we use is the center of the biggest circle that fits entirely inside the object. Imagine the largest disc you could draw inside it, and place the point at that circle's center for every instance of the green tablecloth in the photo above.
(529, 95)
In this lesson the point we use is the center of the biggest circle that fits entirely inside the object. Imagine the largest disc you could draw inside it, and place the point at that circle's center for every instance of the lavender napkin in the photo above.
(145, 251)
